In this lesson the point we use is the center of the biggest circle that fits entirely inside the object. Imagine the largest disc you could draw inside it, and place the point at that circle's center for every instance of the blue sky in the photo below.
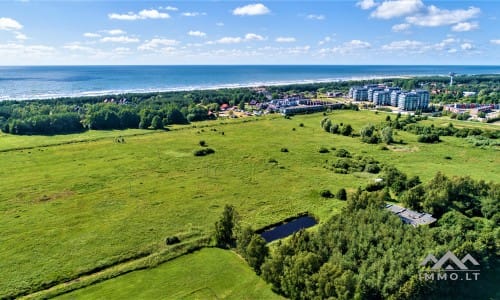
(257, 32)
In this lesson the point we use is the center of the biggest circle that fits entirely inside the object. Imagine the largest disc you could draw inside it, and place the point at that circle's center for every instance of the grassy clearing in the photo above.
(69, 209)
(207, 274)
(10, 142)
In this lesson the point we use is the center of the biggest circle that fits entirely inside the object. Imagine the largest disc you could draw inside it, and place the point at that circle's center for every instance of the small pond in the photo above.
(288, 228)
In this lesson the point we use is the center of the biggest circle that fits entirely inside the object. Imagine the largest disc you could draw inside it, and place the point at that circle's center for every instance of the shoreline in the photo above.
(213, 87)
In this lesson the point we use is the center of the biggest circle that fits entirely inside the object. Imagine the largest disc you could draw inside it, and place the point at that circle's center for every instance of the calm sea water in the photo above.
(19, 83)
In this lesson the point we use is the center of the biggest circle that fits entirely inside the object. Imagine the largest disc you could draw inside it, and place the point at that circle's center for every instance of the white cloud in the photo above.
(346, 47)
(495, 42)
(10, 24)
(397, 8)
(439, 17)
(401, 27)
(283, 39)
(21, 36)
(251, 10)
(366, 4)
(193, 14)
(122, 50)
(357, 44)
(171, 8)
(196, 33)
(119, 39)
(91, 35)
(78, 47)
(142, 15)
(403, 45)
(115, 31)
(219, 24)
(157, 43)
(444, 44)
(298, 50)
(465, 26)
(236, 40)
(28, 51)
(452, 50)
(315, 17)
(325, 40)
(229, 40)
(253, 37)
(467, 46)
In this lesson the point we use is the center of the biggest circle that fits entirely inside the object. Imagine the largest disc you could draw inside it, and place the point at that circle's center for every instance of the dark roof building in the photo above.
(409, 216)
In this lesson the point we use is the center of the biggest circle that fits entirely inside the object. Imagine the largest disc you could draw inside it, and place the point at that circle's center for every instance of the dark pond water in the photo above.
(288, 228)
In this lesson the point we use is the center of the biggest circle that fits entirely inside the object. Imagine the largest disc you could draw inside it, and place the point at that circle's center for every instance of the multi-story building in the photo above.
(413, 100)
(373, 90)
(424, 97)
(408, 101)
(359, 93)
(395, 97)
(381, 97)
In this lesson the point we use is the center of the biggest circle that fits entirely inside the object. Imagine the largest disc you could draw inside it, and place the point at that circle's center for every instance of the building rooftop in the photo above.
(411, 217)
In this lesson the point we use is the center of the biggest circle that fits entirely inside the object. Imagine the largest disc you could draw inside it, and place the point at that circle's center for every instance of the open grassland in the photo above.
(208, 274)
(71, 209)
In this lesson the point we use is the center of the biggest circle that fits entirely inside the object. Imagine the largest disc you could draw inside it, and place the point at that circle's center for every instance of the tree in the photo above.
(256, 252)
(175, 116)
(387, 135)
(224, 228)
(243, 238)
(412, 198)
(157, 123)
(346, 130)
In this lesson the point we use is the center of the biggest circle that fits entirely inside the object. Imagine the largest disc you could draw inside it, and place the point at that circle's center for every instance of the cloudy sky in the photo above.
(86, 32)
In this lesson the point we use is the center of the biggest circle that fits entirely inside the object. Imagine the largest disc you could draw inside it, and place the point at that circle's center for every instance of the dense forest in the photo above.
(365, 252)
(157, 110)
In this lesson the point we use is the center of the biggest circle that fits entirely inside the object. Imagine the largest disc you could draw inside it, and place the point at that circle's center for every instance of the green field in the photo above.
(208, 274)
(70, 209)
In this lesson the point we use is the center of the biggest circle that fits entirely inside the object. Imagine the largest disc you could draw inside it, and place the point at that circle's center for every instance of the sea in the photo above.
(46, 82)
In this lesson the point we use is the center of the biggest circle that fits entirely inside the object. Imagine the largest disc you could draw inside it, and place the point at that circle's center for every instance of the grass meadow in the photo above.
(210, 273)
(71, 209)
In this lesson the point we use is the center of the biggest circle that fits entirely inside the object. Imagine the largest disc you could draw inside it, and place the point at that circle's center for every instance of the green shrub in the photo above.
(284, 149)
(171, 240)
(341, 194)
(326, 193)
(323, 150)
(203, 152)
(342, 153)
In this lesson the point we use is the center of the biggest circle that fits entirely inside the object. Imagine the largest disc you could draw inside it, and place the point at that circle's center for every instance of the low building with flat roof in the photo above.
(409, 216)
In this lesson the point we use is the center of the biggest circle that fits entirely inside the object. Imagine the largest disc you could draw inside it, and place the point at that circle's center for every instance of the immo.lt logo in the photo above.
(449, 267)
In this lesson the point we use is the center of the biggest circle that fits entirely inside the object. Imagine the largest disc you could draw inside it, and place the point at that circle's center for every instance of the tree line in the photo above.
(145, 111)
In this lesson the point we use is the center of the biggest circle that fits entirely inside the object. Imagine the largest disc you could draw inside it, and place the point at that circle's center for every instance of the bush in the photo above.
(272, 161)
(171, 240)
(301, 125)
(428, 138)
(203, 152)
(383, 148)
(284, 150)
(372, 168)
(323, 150)
(375, 186)
(447, 157)
(341, 194)
(326, 194)
(203, 143)
(342, 153)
